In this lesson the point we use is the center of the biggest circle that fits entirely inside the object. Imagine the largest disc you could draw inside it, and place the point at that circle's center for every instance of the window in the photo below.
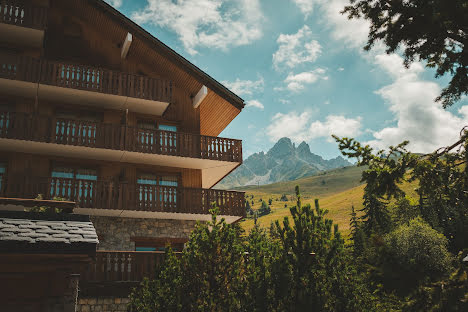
(168, 139)
(148, 134)
(5, 121)
(159, 244)
(78, 184)
(148, 189)
(72, 127)
(2, 176)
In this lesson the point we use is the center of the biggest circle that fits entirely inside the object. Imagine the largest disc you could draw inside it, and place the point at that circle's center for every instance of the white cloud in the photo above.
(284, 101)
(299, 127)
(298, 82)
(245, 87)
(206, 23)
(353, 33)
(296, 49)
(418, 118)
(306, 6)
(410, 98)
(115, 3)
(340, 68)
(254, 103)
(338, 125)
(327, 102)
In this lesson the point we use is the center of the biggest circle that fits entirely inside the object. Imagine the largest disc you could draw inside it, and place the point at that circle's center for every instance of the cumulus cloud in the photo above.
(409, 97)
(418, 118)
(115, 3)
(245, 87)
(217, 24)
(335, 124)
(298, 82)
(306, 6)
(254, 103)
(300, 127)
(353, 33)
(296, 49)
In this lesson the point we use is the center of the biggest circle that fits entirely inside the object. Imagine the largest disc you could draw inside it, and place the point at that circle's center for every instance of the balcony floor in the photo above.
(19, 36)
(80, 97)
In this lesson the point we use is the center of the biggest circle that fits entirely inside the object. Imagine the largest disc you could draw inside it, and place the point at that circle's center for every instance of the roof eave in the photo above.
(203, 77)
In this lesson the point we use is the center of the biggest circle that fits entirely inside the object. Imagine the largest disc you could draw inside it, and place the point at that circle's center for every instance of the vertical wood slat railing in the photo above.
(84, 77)
(31, 127)
(23, 14)
(183, 144)
(123, 266)
(102, 194)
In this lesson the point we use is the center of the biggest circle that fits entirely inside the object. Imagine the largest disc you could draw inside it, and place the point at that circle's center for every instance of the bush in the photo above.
(415, 253)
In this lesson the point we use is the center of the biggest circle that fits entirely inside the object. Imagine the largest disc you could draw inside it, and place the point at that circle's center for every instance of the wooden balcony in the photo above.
(123, 266)
(20, 13)
(22, 24)
(27, 127)
(83, 85)
(118, 272)
(136, 200)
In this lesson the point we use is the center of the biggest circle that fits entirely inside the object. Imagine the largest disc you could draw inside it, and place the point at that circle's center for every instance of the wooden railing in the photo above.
(123, 266)
(99, 194)
(85, 78)
(23, 14)
(183, 144)
(47, 129)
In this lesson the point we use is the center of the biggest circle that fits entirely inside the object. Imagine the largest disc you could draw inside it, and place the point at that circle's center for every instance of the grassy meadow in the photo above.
(337, 190)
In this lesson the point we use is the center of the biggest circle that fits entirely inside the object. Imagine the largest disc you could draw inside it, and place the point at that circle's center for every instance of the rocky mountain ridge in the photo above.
(283, 162)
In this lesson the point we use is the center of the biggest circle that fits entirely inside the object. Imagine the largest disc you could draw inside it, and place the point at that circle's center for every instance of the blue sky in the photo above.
(300, 67)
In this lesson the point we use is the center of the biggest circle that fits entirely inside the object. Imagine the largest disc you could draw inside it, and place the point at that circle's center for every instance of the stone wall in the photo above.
(110, 304)
(115, 233)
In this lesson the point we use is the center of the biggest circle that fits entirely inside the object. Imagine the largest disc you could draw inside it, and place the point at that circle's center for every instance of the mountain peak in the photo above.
(283, 162)
(282, 148)
(303, 147)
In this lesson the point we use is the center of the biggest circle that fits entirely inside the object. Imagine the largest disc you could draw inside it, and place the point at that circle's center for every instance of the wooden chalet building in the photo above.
(96, 111)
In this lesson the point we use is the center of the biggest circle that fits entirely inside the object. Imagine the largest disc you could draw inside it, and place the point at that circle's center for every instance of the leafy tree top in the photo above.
(433, 31)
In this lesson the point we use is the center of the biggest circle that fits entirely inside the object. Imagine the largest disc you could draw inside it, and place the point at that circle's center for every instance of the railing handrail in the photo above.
(130, 196)
(85, 77)
(23, 14)
(118, 137)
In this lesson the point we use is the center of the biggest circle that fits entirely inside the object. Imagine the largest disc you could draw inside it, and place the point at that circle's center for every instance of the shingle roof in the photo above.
(36, 232)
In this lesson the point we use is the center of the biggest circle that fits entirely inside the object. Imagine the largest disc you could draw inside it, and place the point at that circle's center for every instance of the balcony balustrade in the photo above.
(86, 78)
(20, 13)
(20, 126)
(96, 194)
(123, 266)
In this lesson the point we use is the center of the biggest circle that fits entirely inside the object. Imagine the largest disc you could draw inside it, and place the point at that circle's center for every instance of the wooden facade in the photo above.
(80, 121)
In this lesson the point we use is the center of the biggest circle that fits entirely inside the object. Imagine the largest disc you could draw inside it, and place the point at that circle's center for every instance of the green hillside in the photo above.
(327, 182)
(337, 190)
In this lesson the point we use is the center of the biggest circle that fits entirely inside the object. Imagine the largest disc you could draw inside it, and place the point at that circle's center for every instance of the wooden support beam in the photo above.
(200, 96)
(126, 45)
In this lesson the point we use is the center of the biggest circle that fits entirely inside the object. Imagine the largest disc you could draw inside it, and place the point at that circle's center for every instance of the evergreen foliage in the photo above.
(294, 268)
(264, 209)
(405, 246)
(435, 32)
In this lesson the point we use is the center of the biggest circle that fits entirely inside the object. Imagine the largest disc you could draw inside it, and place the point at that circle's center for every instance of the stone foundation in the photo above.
(116, 233)
(110, 304)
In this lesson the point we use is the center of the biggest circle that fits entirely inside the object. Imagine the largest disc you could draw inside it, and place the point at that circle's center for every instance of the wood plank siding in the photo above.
(71, 101)
(103, 35)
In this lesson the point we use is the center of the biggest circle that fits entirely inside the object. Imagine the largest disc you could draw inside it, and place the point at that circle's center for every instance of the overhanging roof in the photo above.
(178, 59)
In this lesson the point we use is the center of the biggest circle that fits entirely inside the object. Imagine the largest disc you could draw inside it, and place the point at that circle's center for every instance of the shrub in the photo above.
(415, 253)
